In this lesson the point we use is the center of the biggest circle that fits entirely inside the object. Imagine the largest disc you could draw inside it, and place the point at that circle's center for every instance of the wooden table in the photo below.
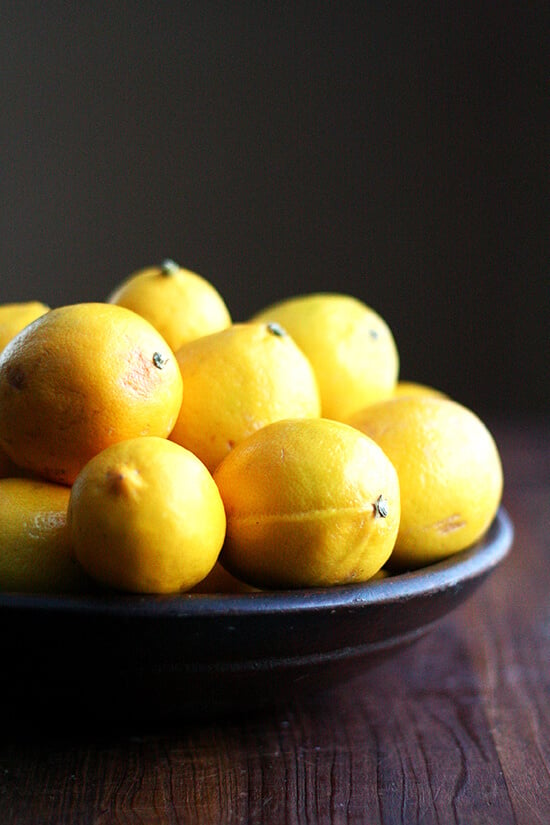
(455, 729)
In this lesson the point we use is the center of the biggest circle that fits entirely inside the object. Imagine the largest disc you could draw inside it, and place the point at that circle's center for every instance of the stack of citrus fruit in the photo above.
(151, 444)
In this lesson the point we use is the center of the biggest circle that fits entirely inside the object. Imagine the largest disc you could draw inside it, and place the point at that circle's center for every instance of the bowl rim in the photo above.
(469, 564)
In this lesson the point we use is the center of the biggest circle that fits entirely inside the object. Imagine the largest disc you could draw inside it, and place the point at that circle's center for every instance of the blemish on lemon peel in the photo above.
(168, 267)
(449, 524)
(141, 375)
(16, 378)
(381, 507)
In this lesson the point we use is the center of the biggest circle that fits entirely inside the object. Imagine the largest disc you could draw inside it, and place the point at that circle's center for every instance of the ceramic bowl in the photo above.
(189, 655)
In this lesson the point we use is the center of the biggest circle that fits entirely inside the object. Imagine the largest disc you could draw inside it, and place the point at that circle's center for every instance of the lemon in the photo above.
(309, 502)
(351, 348)
(449, 469)
(414, 388)
(15, 317)
(180, 304)
(79, 378)
(36, 554)
(145, 516)
(237, 381)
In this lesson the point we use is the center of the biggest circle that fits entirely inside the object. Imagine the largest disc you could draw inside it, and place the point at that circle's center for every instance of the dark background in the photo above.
(395, 151)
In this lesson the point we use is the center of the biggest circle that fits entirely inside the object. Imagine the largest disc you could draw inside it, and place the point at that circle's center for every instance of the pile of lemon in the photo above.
(150, 444)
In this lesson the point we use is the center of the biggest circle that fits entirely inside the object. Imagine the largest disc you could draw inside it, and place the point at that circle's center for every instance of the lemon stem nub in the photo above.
(381, 507)
(159, 360)
(276, 329)
(168, 266)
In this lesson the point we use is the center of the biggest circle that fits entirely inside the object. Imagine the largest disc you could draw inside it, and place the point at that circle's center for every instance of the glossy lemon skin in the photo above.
(238, 381)
(145, 516)
(79, 378)
(449, 469)
(179, 303)
(350, 346)
(15, 317)
(309, 502)
(36, 553)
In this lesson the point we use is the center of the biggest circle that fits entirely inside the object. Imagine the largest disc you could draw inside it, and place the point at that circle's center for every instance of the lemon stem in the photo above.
(159, 360)
(276, 329)
(381, 507)
(168, 267)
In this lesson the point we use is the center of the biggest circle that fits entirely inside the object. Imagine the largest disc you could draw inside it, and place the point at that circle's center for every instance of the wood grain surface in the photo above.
(455, 729)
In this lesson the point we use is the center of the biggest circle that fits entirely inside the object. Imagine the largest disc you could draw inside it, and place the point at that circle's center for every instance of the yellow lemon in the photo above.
(179, 303)
(237, 381)
(403, 388)
(36, 554)
(309, 502)
(449, 471)
(79, 378)
(14, 317)
(145, 516)
(350, 347)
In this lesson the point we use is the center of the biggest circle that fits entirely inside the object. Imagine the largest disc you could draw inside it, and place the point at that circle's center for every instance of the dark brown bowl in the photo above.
(163, 657)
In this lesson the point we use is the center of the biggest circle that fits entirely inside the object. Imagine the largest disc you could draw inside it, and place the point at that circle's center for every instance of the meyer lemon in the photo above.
(79, 378)
(36, 554)
(145, 516)
(403, 388)
(309, 502)
(237, 381)
(179, 303)
(350, 347)
(15, 317)
(449, 471)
